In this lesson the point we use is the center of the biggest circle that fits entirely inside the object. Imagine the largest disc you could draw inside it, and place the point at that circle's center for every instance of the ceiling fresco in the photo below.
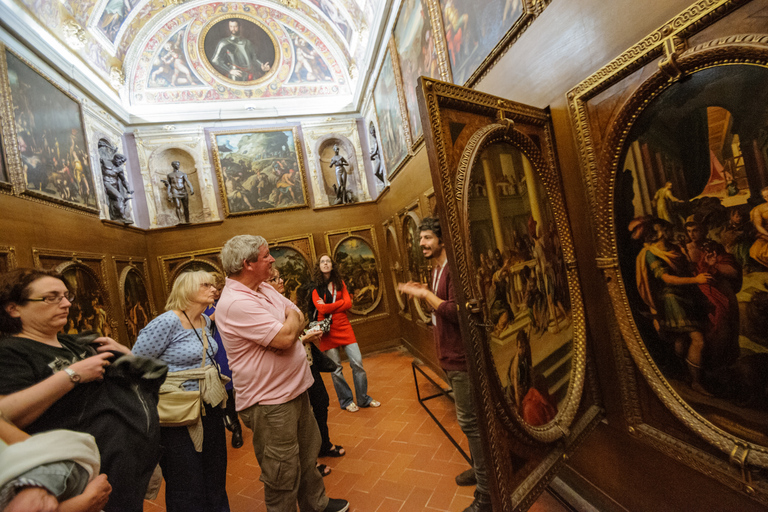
(162, 52)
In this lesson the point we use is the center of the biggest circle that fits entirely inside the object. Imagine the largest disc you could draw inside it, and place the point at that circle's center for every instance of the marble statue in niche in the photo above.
(179, 188)
(115, 184)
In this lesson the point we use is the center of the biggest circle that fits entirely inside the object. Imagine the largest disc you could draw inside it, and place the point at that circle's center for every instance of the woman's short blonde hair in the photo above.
(184, 287)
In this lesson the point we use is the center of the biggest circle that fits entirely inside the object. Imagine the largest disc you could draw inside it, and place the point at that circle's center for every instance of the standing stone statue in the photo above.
(375, 154)
(115, 184)
(339, 162)
(176, 186)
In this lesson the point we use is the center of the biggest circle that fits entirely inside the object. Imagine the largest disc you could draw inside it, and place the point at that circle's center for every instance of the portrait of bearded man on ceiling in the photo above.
(240, 50)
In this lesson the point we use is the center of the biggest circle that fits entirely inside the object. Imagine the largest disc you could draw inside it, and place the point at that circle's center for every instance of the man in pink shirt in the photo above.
(261, 331)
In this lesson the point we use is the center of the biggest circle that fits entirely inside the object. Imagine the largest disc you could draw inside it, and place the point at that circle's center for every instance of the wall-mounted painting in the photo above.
(294, 258)
(676, 159)
(259, 171)
(172, 265)
(239, 49)
(4, 179)
(417, 266)
(135, 297)
(114, 15)
(85, 276)
(355, 252)
(50, 150)
(396, 267)
(473, 29)
(392, 123)
(415, 43)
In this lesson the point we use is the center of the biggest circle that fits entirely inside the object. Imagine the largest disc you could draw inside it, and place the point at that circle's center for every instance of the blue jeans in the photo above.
(467, 418)
(343, 392)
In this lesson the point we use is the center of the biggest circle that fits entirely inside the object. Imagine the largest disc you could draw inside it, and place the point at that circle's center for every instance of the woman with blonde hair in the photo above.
(194, 460)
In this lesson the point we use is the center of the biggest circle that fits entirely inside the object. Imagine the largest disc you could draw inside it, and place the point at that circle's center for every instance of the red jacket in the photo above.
(341, 330)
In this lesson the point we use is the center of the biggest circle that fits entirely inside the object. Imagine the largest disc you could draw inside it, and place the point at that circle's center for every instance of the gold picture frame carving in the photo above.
(634, 76)
(7, 258)
(305, 246)
(124, 266)
(172, 265)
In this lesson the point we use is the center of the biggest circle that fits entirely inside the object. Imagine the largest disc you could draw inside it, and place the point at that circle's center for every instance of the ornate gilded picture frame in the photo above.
(417, 267)
(396, 271)
(295, 259)
(355, 251)
(43, 138)
(678, 202)
(138, 307)
(86, 276)
(259, 171)
(7, 258)
(498, 187)
(172, 265)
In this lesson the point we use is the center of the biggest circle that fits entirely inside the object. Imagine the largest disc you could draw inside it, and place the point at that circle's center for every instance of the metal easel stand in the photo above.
(447, 392)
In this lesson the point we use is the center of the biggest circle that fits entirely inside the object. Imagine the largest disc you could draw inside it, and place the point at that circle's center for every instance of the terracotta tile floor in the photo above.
(397, 458)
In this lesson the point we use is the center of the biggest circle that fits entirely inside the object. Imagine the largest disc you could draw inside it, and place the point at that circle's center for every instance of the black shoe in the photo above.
(335, 505)
(481, 503)
(466, 478)
(237, 436)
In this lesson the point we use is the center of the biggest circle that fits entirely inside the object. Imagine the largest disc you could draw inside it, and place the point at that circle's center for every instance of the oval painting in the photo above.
(360, 271)
(521, 276)
(691, 212)
(136, 305)
(88, 311)
(294, 269)
(239, 50)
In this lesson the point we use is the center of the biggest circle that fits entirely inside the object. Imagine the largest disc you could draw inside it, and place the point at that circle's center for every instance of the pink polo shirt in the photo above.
(248, 321)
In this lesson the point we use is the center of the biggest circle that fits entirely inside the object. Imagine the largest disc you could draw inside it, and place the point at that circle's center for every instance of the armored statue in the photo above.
(115, 184)
(179, 189)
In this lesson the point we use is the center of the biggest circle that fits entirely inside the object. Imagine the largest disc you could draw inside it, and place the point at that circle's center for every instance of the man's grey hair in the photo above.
(238, 249)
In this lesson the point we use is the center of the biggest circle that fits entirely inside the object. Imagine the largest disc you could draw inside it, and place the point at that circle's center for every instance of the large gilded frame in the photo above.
(304, 245)
(7, 258)
(172, 265)
(691, 41)
(123, 266)
(16, 184)
(333, 239)
(523, 458)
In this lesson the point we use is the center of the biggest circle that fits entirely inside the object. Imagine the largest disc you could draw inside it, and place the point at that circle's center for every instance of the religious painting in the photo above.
(171, 67)
(88, 311)
(309, 64)
(259, 171)
(358, 266)
(392, 132)
(114, 15)
(473, 29)
(137, 307)
(294, 268)
(521, 279)
(691, 213)
(239, 49)
(415, 43)
(50, 138)
(418, 268)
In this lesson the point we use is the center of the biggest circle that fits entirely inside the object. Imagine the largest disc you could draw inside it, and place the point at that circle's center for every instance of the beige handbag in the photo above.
(181, 408)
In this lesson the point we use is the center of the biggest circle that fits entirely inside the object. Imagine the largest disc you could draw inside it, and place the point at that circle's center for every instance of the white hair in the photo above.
(238, 249)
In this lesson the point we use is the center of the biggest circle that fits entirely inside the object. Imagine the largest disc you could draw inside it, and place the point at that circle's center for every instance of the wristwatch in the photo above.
(73, 376)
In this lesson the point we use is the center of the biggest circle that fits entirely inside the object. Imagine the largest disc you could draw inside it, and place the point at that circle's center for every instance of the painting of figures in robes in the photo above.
(392, 134)
(691, 214)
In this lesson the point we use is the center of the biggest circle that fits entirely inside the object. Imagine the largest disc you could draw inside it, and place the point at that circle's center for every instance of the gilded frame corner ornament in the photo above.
(171, 265)
(739, 458)
(7, 257)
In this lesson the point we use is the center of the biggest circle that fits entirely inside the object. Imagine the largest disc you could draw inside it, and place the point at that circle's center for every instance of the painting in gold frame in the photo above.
(682, 210)
(138, 307)
(418, 268)
(395, 265)
(172, 265)
(355, 251)
(259, 171)
(389, 103)
(45, 147)
(526, 455)
(294, 258)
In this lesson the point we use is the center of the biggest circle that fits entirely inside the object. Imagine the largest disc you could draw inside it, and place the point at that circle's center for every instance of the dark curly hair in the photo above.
(432, 224)
(319, 279)
(14, 289)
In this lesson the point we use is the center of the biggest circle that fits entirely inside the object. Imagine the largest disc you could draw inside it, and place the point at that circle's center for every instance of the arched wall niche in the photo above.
(159, 167)
(324, 152)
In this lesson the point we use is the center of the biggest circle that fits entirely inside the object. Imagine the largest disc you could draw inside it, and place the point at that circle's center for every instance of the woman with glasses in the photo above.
(331, 297)
(194, 467)
(66, 379)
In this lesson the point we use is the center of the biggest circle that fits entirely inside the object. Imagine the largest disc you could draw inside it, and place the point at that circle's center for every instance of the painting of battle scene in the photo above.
(473, 29)
(50, 136)
(415, 44)
(170, 67)
(392, 134)
(136, 306)
(113, 17)
(88, 311)
(359, 269)
(520, 275)
(691, 214)
(310, 66)
(294, 269)
(259, 171)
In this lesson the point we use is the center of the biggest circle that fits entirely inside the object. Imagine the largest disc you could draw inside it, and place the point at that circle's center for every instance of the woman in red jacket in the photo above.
(331, 297)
